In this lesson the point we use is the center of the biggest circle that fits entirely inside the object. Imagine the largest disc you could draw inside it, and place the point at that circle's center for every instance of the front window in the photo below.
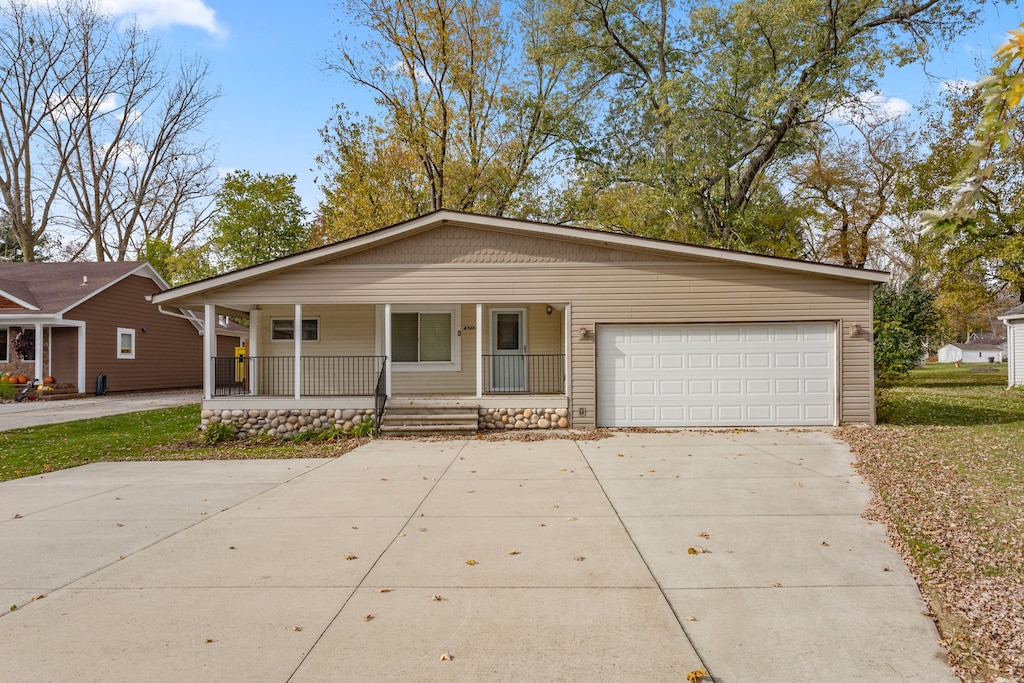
(5, 341)
(283, 329)
(425, 339)
(125, 343)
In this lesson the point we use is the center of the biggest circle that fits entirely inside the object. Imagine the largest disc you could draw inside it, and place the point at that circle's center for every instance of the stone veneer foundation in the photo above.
(523, 418)
(284, 423)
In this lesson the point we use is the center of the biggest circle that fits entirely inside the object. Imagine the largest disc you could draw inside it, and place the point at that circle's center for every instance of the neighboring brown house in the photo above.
(512, 318)
(91, 319)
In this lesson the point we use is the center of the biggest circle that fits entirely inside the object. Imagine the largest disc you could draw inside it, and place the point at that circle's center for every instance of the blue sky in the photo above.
(266, 56)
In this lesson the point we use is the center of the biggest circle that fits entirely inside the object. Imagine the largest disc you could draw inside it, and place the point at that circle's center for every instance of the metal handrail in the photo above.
(275, 375)
(524, 373)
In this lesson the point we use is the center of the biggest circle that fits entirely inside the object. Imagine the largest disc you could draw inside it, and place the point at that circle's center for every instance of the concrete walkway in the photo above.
(548, 560)
(35, 413)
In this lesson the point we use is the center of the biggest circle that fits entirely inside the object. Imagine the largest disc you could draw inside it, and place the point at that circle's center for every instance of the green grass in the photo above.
(942, 394)
(166, 434)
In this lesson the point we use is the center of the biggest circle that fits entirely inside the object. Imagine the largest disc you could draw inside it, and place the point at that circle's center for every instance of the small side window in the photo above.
(5, 341)
(125, 343)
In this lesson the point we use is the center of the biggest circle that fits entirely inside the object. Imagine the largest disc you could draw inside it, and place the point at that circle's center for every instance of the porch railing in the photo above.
(524, 374)
(321, 375)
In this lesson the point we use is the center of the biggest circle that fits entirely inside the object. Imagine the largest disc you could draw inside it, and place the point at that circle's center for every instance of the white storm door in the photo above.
(508, 350)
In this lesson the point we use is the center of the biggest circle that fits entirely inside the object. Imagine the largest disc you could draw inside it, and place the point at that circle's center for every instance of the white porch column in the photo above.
(387, 348)
(39, 374)
(81, 358)
(252, 349)
(209, 348)
(567, 323)
(298, 351)
(479, 350)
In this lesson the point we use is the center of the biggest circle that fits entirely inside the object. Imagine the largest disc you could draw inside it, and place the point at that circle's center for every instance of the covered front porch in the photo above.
(501, 361)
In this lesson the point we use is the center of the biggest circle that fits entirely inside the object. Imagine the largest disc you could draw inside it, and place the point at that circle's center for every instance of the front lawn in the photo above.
(166, 434)
(947, 463)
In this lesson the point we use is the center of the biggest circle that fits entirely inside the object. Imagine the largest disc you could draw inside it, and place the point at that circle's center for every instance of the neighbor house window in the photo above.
(425, 338)
(125, 343)
(283, 329)
(5, 342)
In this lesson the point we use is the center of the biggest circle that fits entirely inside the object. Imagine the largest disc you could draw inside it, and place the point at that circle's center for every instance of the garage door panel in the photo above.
(729, 375)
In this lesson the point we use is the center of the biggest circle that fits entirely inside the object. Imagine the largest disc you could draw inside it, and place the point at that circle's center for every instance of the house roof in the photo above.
(53, 288)
(976, 347)
(526, 228)
(1013, 313)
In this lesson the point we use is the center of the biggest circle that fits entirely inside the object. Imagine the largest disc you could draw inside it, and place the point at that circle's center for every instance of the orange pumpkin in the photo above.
(22, 379)
(48, 380)
(5, 380)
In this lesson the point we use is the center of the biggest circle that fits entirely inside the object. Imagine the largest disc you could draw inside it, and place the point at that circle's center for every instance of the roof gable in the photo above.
(458, 244)
(346, 251)
(53, 288)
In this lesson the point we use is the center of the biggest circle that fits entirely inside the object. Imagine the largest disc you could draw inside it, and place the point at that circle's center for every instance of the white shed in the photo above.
(1014, 321)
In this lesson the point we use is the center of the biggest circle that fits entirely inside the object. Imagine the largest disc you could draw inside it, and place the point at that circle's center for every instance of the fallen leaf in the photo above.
(369, 617)
(543, 524)
(231, 547)
(691, 618)
(209, 640)
(696, 551)
(799, 484)
(620, 455)
(120, 525)
(695, 676)
(775, 584)
(572, 519)
(16, 516)
(704, 534)
(296, 628)
(385, 590)
(446, 657)
(355, 527)
(121, 557)
(471, 491)
(14, 607)
(383, 478)
(38, 597)
(436, 598)
(471, 562)
(886, 569)
(825, 543)
(579, 558)
(513, 552)
(351, 557)
(422, 528)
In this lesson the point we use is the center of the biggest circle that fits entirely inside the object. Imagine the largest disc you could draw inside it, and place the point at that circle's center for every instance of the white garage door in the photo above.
(716, 375)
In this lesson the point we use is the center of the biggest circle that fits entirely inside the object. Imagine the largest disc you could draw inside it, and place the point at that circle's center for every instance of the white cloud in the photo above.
(164, 13)
(400, 67)
(129, 154)
(161, 13)
(871, 105)
(68, 107)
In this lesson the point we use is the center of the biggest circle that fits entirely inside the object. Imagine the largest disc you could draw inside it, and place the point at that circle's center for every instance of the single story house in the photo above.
(536, 325)
(970, 353)
(1013, 318)
(90, 319)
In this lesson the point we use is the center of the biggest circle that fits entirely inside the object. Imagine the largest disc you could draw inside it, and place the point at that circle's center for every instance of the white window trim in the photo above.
(291, 342)
(455, 364)
(120, 354)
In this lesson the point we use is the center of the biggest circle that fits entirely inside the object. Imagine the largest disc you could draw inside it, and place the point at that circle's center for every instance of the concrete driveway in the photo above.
(548, 560)
(35, 413)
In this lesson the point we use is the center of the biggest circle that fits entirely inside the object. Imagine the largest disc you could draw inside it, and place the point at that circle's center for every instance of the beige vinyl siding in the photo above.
(684, 291)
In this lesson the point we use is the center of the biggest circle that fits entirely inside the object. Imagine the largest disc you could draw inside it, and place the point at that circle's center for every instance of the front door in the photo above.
(508, 350)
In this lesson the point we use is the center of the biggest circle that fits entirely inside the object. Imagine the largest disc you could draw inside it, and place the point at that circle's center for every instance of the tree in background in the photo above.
(93, 122)
(699, 102)
(849, 182)
(258, 218)
(470, 112)
(905, 322)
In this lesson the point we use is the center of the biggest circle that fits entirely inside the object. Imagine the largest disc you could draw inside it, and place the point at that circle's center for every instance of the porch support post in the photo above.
(567, 349)
(81, 358)
(387, 349)
(39, 353)
(479, 350)
(252, 349)
(298, 351)
(209, 348)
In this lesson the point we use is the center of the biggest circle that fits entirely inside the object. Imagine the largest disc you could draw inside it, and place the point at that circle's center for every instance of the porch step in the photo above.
(428, 417)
